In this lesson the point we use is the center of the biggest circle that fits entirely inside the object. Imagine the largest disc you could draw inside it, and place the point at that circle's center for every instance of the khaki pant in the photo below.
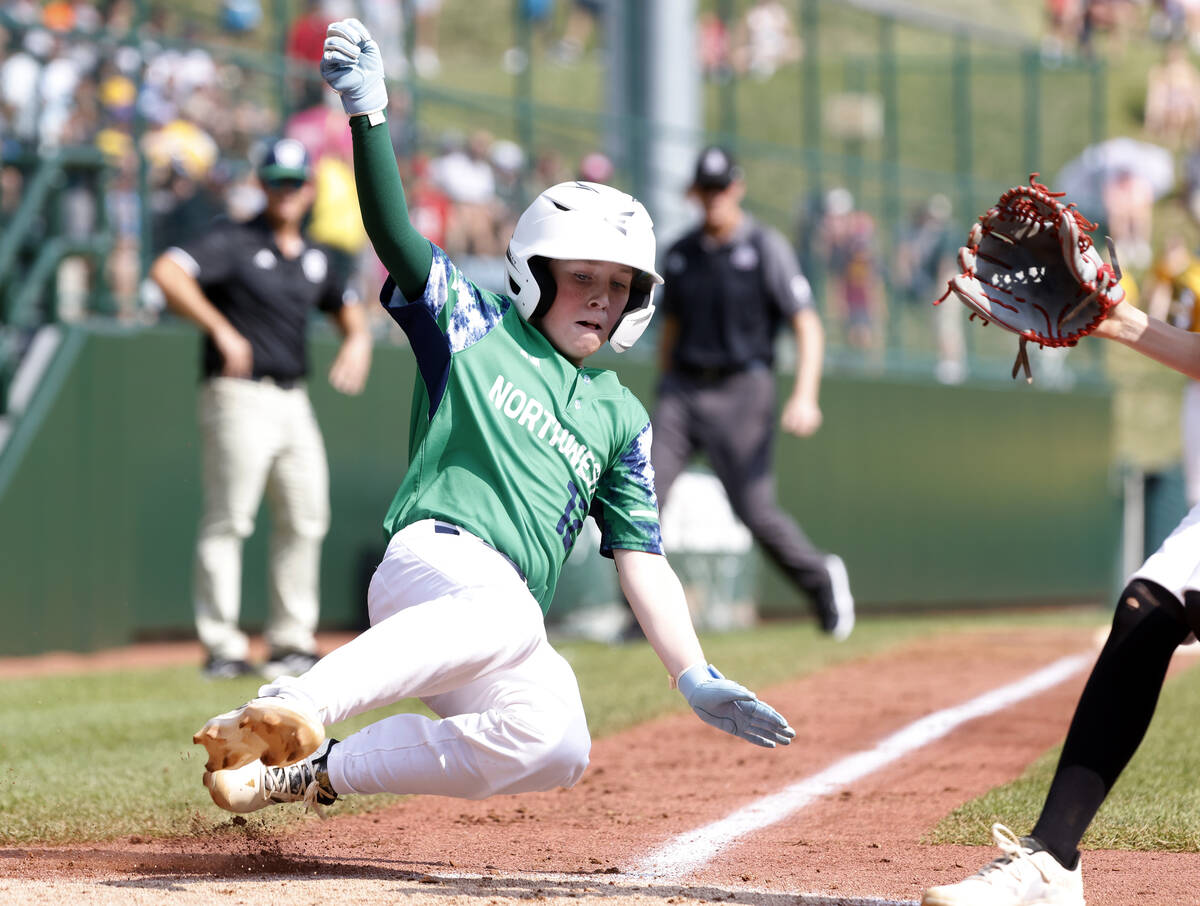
(257, 437)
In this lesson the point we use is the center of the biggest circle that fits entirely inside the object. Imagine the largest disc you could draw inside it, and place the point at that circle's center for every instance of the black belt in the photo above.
(283, 383)
(716, 372)
(445, 528)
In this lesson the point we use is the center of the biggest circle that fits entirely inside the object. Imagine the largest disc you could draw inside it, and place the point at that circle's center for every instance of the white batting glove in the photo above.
(733, 708)
(353, 67)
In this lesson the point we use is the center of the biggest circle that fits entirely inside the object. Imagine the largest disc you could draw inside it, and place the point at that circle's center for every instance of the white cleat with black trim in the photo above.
(1025, 875)
(255, 785)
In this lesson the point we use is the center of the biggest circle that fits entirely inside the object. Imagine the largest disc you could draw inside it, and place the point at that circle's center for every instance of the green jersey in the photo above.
(511, 441)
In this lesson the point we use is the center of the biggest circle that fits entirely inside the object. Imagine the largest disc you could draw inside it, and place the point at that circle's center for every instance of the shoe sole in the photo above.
(235, 794)
(933, 897)
(272, 733)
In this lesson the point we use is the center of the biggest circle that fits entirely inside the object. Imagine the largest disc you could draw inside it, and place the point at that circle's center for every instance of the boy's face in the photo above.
(591, 296)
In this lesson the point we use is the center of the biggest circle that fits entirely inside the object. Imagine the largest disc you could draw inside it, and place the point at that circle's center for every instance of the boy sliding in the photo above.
(513, 443)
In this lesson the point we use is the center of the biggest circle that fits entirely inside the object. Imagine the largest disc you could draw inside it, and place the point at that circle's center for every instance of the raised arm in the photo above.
(352, 65)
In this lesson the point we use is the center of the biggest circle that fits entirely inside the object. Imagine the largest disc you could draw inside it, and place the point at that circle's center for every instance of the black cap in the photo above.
(284, 159)
(715, 169)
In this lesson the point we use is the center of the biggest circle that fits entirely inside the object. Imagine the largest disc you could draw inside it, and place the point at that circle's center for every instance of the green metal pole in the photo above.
(728, 118)
(523, 82)
(960, 79)
(413, 119)
(139, 131)
(1099, 100)
(852, 149)
(637, 42)
(1032, 59)
(102, 301)
(54, 235)
(810, 117)
(889, 88)
(890, 157)
(810, 15)
(280, 19)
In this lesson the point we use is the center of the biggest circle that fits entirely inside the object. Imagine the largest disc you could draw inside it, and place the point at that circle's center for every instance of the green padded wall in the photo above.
(933, 495)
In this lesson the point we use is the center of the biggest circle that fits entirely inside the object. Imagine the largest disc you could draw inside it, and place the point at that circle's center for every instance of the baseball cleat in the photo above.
(226, 668)
(842, 622)
(272, 730)
(1026, 875)
(255, 785)
(287, 663)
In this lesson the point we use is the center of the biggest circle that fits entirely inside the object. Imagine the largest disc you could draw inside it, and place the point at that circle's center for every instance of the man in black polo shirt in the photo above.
(251, 287)
(731, 285)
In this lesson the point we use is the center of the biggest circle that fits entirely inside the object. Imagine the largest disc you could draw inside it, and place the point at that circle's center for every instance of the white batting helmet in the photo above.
(589, 222)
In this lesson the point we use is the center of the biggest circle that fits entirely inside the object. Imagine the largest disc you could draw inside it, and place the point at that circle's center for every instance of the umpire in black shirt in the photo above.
(731, 285)
(251, 287)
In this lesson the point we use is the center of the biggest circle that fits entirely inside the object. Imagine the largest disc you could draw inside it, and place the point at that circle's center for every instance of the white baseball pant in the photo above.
(453, 624)
(1190, 418)
(1176, 564)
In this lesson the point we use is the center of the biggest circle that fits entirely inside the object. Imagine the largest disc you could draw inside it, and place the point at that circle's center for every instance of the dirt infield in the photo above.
(857, 845)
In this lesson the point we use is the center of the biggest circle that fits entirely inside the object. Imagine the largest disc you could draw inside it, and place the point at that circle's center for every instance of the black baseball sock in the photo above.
(1112, 715)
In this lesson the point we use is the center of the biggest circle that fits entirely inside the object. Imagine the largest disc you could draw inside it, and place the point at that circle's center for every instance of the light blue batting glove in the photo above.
(733, 708)
(353, 67)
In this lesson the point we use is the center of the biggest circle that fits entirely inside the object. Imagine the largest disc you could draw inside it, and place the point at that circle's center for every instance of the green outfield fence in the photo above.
(926, 491)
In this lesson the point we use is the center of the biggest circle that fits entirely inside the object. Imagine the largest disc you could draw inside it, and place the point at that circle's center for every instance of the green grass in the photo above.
(1155, 805)
(103, 755)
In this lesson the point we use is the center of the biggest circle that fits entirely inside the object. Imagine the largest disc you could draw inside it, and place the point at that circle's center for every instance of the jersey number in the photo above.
(572, 517)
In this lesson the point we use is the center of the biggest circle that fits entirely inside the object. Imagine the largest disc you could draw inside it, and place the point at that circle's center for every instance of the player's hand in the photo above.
(801, 417)
(236, 352)
(353, 67)
(733, 708)
(348, 373)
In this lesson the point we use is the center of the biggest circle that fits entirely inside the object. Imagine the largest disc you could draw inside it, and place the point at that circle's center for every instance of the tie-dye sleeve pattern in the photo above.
(464, 313)
(625, 506)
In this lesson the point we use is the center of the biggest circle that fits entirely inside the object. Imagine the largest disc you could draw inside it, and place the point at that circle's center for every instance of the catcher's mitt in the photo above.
(1030, 266)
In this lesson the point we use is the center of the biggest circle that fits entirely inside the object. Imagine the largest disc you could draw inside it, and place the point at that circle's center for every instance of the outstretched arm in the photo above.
(656, 597)
(1172, 346)
(352, 65)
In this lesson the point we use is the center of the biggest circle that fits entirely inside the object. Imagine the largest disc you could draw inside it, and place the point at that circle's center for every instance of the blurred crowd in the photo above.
(180, 125)
(1085, 25)
(179, 115)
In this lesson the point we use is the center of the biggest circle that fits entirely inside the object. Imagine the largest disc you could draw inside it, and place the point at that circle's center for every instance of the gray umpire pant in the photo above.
(259, 437)
(732, 420)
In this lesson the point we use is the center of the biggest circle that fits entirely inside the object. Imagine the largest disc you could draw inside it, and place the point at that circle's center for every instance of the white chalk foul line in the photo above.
(690, 851)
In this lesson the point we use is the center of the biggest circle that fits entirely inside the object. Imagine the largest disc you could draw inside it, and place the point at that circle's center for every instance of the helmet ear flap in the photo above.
(547, 288)
(637, 314)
